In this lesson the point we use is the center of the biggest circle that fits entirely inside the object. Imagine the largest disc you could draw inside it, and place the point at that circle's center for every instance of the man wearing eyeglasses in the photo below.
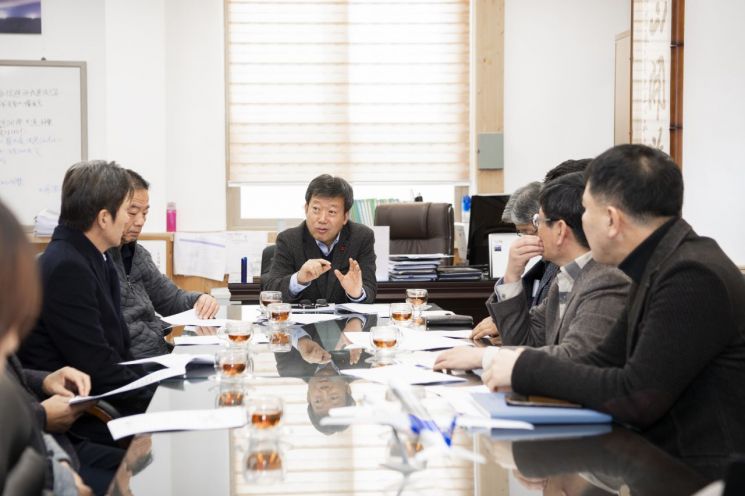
(583, 302)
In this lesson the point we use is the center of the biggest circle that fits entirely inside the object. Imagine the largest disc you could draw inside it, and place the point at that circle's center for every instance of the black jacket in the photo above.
(674, 365)
(81, 323)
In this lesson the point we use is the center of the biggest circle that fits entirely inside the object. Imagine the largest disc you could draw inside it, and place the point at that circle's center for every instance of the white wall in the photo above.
(72, 30)
(558, 82)
(714, 122)
(155, 93)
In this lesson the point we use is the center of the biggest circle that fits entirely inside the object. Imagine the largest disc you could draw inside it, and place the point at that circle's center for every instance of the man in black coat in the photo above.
(674, 364)
(81, 322)
(327, 256)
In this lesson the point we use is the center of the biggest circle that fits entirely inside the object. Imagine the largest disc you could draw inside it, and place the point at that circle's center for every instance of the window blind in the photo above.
(370, 90)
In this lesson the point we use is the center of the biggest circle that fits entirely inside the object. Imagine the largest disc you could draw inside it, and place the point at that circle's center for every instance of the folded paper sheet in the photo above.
(178, 420)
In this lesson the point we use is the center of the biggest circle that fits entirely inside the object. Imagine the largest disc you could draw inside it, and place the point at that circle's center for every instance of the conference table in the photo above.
(368, 459)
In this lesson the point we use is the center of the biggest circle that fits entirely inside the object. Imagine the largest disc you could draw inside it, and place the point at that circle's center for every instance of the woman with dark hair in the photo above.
(24, 466)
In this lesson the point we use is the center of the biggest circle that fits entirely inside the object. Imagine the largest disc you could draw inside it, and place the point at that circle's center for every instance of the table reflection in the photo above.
(363, 459)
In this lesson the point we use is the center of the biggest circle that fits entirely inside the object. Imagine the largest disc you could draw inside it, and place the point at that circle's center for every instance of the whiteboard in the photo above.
(43, 131)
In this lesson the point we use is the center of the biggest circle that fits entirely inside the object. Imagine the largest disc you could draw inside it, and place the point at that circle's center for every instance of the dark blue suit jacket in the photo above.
(81, 323)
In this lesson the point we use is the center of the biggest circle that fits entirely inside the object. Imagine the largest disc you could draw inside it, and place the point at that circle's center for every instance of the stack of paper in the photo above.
(459, 273)
(45, 222)
(415, 267)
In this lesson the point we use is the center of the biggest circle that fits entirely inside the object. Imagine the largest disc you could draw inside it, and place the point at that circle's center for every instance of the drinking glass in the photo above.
(279, 313)
(279, 339)
(263, 462)
(264, 412)
(401, 314)
(417, 298)
(232, 364)
(268, 297)
(385, 340)
(230, 394)
(238, 332)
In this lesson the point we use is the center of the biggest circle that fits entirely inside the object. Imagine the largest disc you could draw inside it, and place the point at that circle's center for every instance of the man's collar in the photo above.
(636, 262)
(573, 268)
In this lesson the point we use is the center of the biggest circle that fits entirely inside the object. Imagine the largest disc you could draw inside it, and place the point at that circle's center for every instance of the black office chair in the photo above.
(267, 255)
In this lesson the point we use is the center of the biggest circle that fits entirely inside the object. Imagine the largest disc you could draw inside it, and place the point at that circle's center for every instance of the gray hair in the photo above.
(523, 204)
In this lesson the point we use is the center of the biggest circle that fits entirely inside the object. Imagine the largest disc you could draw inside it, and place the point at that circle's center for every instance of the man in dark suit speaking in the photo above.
(327, 256)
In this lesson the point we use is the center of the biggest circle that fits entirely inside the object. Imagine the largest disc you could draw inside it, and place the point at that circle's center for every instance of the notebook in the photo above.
(494, 405)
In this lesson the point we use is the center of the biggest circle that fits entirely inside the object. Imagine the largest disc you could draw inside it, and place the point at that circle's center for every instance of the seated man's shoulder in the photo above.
(600, 276)
(291, 233)
(360, 230)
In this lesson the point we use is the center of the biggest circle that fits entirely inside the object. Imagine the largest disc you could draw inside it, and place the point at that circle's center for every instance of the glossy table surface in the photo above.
(357, 459)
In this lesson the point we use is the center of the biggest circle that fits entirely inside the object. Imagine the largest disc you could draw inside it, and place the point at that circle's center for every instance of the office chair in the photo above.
(418, 227)
(267, 255)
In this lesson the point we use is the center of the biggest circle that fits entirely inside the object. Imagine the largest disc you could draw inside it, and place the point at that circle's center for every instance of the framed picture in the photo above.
(20, 16)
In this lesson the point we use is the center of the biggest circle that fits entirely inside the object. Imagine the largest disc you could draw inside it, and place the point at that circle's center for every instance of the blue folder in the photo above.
(495, 406)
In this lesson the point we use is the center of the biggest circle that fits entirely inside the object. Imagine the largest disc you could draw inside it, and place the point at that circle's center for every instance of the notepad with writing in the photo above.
(494, 405)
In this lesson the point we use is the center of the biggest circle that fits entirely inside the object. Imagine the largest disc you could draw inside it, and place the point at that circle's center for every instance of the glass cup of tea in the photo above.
(266, 298)
(238, 332)
(232, 364)
(385, 340)
(264, 412)
(279, 313)
(230, 394)
(280, 340)
(417, 298)
(401, 314)
(263, 463)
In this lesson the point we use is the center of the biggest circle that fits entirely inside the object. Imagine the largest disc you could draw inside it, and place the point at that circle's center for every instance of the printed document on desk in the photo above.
(152, 378)
(189, 317)
(178, 420)
(379, 309)
(410, 341)
(171, 360)
(410, 374)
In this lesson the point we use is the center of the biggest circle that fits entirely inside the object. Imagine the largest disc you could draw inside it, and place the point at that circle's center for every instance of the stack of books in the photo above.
(45, 222)
(459, 273)
(363, 211)
(415, 267)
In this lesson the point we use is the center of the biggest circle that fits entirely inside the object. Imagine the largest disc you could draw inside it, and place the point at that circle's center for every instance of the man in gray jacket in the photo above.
(144, 289)
(584, 301)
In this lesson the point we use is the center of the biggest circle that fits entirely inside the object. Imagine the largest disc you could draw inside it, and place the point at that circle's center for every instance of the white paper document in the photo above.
(410, 374)
(196, 340)
(152, 378)
(423, 358)
(200, 254)
(189, 317)
(312, 318)
(460, 398)
(178, 420)
(380, 309)
(454, 333)
(174, 359)
(250, 313)
(410, 341)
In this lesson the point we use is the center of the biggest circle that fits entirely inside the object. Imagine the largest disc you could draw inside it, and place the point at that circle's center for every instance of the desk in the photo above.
(349, 461)
(462, 297)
